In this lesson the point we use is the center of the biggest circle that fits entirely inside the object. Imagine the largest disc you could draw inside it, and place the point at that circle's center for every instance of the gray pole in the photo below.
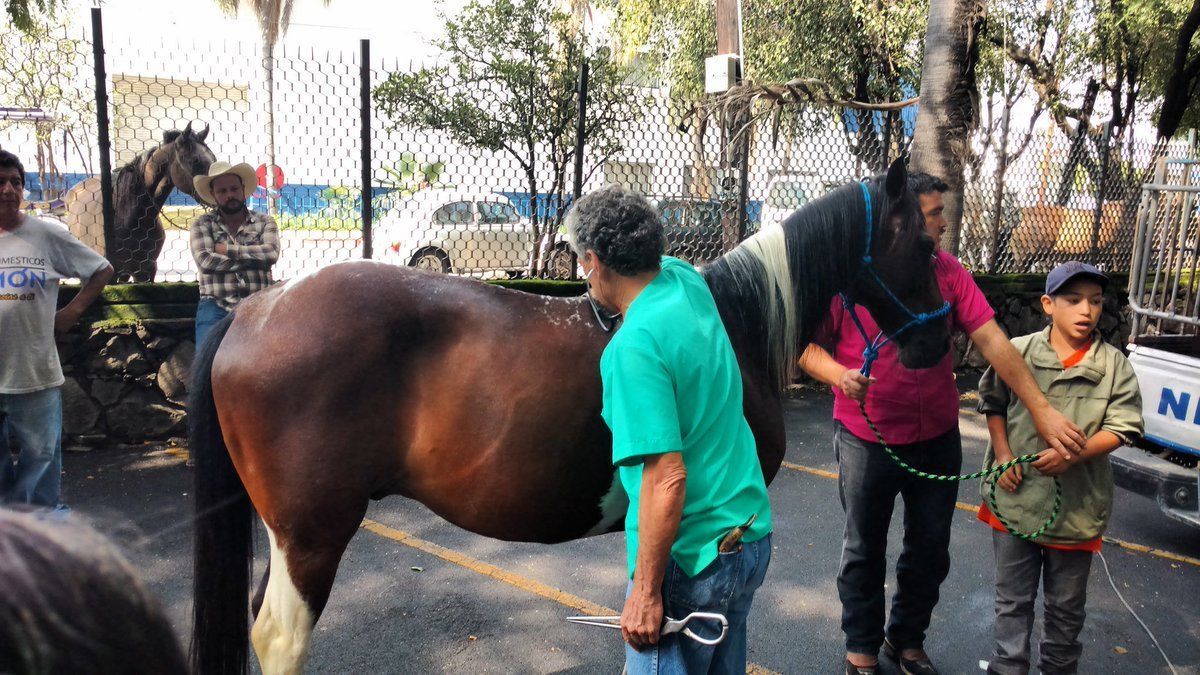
(106, 184)
(365, 103)
(581, 127)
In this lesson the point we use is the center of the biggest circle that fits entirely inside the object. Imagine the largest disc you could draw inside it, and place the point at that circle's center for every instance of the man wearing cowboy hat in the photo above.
(233, 246)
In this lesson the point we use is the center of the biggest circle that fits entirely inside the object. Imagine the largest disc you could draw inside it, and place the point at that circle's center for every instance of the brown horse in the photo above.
(140, 189)
(365, 380)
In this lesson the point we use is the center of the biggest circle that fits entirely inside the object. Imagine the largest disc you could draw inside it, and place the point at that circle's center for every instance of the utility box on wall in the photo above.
(720, 73)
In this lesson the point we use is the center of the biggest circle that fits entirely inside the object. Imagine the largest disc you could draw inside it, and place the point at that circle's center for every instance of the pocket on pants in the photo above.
(709, 591)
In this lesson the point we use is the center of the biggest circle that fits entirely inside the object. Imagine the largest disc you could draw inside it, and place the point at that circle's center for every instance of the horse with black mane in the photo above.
(140, 189)
(365, 380)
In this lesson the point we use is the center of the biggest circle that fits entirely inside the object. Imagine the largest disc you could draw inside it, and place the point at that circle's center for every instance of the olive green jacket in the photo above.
(1099, 393)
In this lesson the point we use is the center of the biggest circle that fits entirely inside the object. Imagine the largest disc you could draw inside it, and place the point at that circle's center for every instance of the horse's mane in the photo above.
(774, 288)
(128, 184)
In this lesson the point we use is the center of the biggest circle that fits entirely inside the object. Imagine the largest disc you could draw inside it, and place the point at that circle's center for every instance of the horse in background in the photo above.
(140, 189)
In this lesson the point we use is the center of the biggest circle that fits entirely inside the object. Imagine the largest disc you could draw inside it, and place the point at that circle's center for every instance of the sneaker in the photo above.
(908, 666)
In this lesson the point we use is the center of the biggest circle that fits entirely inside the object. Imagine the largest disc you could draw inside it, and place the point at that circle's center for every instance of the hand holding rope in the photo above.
(871, 353)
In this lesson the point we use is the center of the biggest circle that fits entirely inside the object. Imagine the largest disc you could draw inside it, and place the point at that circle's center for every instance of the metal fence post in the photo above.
(580, 127)
(105, 149)
(1101, 190)
(580, 146)
(365, 102)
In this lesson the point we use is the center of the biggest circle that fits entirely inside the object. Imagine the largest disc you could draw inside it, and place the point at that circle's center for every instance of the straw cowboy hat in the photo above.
(203, 184)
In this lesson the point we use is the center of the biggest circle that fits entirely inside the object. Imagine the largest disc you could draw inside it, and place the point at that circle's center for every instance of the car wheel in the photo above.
(562, 263)
(432, 260)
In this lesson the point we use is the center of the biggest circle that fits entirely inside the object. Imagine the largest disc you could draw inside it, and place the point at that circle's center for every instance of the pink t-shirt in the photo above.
(907, 405)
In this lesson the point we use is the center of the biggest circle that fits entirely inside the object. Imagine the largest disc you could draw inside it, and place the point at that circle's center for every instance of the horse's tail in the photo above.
(223, 528)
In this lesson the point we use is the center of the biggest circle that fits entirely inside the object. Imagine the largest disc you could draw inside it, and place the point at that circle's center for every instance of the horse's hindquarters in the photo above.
(85, 213)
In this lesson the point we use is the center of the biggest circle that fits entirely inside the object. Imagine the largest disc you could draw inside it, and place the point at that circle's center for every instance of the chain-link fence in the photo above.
(493, 207)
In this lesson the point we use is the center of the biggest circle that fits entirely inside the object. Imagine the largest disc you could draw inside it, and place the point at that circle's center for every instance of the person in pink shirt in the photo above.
(917, 413)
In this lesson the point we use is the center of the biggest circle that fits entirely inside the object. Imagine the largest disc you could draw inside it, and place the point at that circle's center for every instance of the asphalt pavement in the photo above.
(417, 595)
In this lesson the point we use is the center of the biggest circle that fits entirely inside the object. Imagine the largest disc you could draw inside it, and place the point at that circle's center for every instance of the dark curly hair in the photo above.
(923, 183)
(621, 227)
(10, 161)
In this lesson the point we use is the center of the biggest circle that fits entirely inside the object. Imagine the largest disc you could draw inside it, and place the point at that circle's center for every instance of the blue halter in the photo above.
(871, 353)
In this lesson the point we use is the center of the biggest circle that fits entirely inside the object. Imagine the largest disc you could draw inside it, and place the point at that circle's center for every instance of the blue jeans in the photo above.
(34, 422)
(868, 483)
(727, 587)
(208, 313)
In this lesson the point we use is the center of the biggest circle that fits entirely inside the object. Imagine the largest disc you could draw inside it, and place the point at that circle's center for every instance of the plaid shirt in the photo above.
(245, 267)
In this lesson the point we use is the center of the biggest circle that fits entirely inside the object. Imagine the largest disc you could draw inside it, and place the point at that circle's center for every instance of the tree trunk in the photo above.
(949, 108)
(1001, 174)
(1185, 75)
(701, 183)
(535, 222)
(269, 76)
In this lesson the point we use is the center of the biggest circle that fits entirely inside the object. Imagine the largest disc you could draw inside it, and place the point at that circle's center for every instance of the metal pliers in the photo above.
(669, 625)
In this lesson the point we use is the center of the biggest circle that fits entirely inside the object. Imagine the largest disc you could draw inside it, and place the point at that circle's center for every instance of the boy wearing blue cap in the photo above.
(1092, 383)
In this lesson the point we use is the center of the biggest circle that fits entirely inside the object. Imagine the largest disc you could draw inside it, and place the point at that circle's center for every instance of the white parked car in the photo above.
(455, 231)
(787, 192)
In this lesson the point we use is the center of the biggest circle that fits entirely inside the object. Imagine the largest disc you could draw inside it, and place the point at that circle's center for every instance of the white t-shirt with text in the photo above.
(33, 258)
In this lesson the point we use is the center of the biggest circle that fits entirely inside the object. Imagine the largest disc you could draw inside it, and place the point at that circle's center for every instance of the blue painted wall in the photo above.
(301, 200)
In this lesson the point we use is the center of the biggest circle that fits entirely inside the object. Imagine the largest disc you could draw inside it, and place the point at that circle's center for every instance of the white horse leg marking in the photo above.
(612, 507)
(283, 631)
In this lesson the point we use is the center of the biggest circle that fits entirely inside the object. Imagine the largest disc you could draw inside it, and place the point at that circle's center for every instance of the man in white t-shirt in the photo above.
(34, 256)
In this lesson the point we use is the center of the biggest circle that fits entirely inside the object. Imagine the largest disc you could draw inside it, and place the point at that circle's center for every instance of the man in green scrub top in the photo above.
(681, 444)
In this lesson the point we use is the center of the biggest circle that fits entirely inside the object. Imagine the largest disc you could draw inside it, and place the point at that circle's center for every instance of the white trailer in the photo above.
(1164, 297)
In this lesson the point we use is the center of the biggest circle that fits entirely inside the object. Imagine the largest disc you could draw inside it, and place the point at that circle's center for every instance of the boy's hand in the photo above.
(1011, 479)
(1061, 434)
(1051, 462)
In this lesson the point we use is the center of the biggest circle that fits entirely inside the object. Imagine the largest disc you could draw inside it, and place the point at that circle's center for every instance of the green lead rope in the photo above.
(990, 476)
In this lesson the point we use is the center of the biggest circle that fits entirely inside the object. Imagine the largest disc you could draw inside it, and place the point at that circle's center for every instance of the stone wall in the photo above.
(126, 383)
(1018, 305)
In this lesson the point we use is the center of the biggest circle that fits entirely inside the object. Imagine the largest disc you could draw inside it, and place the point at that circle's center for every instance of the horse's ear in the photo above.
(897, 179)
(203, 134)
(187, 131)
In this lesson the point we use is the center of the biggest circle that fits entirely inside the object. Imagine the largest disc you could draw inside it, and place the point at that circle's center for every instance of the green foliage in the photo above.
(344, 208)
(41, 68)
(1156, 24)
(866, 48)
(508, 85)
(24, 14)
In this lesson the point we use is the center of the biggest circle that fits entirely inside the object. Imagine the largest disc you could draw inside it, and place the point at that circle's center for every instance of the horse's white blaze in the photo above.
(283, 631)
(612, 507)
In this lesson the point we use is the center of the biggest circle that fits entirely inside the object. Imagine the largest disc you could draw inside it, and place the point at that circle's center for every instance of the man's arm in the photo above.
(261, 255)
(820, 364)
(1060, 433)
(69, 315)
(206, 253)
(664, 480)
(1102, 443)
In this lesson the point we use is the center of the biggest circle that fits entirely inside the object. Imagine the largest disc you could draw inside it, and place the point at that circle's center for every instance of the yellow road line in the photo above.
(516, 580)
(480, 567)
(974, 508)
(1141, 548)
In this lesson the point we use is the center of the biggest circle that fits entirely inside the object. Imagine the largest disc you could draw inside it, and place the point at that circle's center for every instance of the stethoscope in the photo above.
(601, 316)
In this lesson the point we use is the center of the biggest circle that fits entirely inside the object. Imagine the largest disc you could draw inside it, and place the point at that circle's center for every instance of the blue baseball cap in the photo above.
(1059, 276)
